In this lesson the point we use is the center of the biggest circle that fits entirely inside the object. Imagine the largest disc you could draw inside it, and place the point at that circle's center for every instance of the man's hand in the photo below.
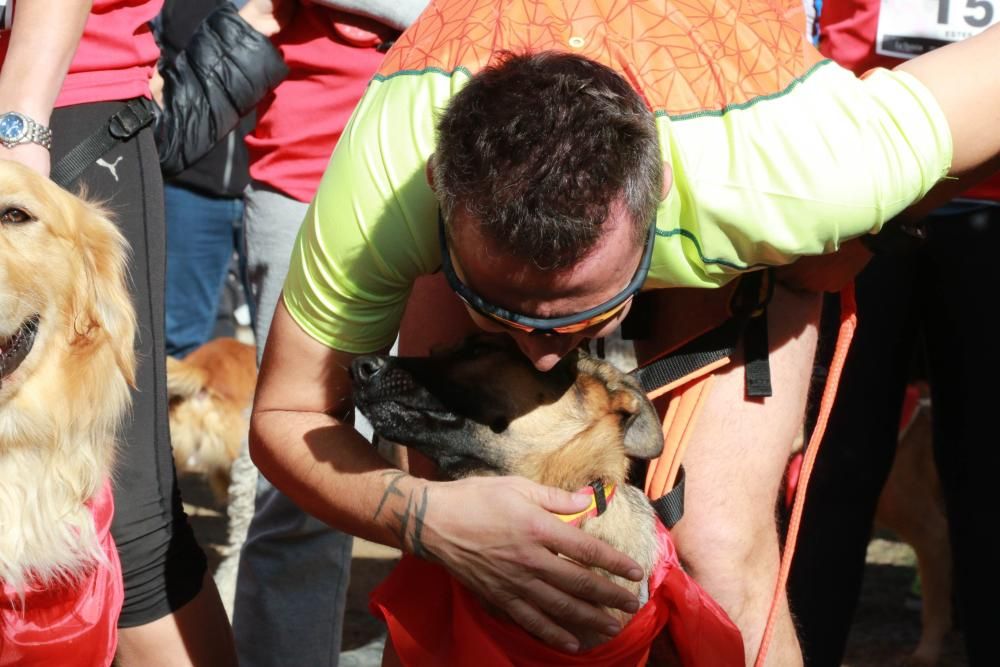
(498, 536)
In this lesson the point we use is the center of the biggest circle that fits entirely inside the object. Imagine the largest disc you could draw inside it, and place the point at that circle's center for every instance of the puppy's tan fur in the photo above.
(61, 408)
(500, 416)
(210, 391)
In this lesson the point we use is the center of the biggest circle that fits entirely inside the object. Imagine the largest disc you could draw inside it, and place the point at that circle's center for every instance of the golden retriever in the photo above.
(210, 392)
(67, 327)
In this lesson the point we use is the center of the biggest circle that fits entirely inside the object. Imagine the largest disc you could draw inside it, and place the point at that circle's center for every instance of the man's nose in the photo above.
(545, 351)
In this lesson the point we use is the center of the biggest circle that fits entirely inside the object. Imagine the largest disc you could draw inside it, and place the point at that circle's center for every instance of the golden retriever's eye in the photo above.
(14, 216)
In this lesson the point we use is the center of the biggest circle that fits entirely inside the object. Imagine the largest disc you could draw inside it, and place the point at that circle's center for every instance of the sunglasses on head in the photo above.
(566, 324)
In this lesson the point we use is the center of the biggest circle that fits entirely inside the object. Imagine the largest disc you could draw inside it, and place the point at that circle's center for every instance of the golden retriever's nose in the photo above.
(365, 370)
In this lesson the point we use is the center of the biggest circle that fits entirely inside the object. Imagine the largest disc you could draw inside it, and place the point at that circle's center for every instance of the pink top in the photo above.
(331, 57)
(116, 55)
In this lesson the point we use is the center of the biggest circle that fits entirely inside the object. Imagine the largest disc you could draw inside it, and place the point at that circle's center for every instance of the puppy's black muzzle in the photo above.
(367, 369)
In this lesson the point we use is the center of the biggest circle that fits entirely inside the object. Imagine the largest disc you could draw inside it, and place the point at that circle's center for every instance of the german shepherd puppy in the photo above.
(482, 409)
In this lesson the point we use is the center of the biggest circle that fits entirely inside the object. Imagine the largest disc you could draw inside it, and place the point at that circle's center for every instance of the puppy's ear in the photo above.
(643, 433)
(102, 305)
(183, 380)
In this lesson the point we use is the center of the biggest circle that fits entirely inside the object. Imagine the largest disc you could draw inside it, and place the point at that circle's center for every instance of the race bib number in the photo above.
(907, 28)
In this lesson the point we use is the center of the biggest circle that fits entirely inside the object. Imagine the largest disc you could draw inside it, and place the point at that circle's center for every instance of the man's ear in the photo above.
(429, 171)
(668, 180)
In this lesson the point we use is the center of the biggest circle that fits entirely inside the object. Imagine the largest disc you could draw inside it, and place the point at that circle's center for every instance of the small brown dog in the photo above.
(482, 409)
(210, 392)
(912, 506)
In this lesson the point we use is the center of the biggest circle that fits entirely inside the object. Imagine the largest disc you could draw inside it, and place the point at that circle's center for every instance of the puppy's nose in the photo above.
(366, 369)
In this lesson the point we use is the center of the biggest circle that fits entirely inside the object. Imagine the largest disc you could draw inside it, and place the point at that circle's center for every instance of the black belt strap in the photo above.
(755, 357)
(708, 348)
(670, 506)
(121, 127)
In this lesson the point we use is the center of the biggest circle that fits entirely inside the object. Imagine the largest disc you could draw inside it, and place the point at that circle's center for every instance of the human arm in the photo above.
(224, 71)
(43, 39)
(964, 79)
(496, 535)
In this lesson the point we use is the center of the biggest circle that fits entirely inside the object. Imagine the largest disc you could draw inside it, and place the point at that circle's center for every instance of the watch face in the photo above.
(12, 126)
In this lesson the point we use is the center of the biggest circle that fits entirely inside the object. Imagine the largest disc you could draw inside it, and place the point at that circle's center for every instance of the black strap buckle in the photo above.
(599, 498)
(128, 121)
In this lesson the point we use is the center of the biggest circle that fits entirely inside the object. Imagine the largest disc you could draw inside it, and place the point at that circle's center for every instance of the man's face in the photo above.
(518, 285)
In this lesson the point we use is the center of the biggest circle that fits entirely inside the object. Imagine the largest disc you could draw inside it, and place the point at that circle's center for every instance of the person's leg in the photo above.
(294, 569)
(964, 365)
(735, 462)
(199, 251)
(163, 567)
(854, 461)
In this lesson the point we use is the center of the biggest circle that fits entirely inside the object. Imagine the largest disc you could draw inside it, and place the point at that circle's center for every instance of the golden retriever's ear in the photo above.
(643, 432)
(102, 306)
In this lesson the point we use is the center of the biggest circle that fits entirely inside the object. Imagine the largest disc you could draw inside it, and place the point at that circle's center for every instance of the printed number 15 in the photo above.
(975, 22)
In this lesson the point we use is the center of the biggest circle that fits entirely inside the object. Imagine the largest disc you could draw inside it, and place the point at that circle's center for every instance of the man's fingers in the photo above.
(590, 551)
(541, 626)
(557, 500)
(568, 610)
(584, 584)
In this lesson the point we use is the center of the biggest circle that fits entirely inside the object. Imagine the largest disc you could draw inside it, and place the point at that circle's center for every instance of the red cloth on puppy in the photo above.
(434, 621)
(68, 624)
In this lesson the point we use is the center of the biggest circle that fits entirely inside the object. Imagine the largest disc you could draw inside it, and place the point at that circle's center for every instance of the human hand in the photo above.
(498, 537)
(268, 16)
(30, 155)
(156, 87)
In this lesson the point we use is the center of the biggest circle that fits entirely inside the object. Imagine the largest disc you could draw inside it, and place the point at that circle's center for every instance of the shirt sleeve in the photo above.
(797, 173)
(370, 231)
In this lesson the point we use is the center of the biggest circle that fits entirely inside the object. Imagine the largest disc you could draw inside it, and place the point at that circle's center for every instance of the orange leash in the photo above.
(848, 323)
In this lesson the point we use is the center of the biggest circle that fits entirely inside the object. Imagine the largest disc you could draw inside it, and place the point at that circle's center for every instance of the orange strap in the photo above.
(848, 322)
(678, 424)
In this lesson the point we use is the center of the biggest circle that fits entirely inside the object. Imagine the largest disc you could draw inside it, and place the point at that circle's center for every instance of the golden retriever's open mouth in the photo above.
(13, 349)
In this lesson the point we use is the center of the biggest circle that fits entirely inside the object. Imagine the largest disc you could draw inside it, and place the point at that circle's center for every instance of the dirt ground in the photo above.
(886, 626)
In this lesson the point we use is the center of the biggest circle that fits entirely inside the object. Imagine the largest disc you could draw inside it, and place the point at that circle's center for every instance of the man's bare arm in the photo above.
(965, 80)
(495, 534)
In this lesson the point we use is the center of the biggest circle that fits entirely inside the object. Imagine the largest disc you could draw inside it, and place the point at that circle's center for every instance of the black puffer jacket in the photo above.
(212, 78)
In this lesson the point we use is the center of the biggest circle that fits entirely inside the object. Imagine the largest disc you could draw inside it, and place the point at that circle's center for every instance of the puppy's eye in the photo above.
(14, 216)
(499, 425)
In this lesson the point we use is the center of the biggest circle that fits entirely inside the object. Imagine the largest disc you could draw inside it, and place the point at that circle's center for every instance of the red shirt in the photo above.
(847, 36)
(331, 56)
(74, 623)
(115, 57)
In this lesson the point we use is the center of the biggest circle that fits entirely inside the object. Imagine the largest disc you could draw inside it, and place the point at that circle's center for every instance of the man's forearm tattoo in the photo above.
(411, 519)
(391, 490)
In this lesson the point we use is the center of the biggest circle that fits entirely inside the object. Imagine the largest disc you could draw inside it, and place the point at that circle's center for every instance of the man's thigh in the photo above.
(735, 462)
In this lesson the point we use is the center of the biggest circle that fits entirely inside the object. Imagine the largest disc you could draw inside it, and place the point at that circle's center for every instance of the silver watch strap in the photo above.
(40, 134)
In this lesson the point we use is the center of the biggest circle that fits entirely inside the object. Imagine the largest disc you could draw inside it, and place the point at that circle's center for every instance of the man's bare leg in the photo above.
(735, 463)
(197, 635)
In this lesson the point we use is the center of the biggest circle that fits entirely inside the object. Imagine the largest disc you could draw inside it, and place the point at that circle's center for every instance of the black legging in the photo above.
(940, 295)
(162, 564)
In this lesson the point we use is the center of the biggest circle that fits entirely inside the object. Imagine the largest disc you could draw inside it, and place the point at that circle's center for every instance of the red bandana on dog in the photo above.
(434, 621)
(68, 624)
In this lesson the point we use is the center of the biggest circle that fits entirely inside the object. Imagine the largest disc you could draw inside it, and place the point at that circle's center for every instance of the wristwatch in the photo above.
(16, 128)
